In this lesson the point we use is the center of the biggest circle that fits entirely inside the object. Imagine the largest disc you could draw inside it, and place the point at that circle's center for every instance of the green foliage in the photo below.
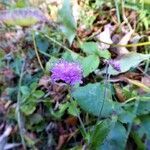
(50, 63)
(30, 97)
(45, 106)
(92, 48)
(116, 139)
(90, 64)
(99, 134)
(72, 109)
(91, 97)
(21, 3)
(60, 112)
(2, 54)
(66, 18)
(42, 43)
(141, 132)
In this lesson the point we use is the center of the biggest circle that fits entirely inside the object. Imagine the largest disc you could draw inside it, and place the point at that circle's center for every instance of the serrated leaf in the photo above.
(66, 18)
(90, 64)
(127, 62)
(90, 98)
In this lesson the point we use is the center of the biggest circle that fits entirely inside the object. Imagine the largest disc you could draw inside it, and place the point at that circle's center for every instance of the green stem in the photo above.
(36, 51)
(130, 99)
(117, 11)
(78, 115)
(58, 43)
(19, 115)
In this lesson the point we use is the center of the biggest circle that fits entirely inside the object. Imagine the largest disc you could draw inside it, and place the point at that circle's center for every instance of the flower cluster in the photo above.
(115, 64)
(33, 14)
(69, 72)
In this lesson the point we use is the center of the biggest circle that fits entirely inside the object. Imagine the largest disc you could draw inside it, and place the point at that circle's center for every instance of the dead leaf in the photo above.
(61, 141)
(119, 93)
(139, 84)
(105, 36)
(71, 121)
(146, 82)
(131, 75)
(44, 81)
(11, 146)
(75, 10)
(125, 39)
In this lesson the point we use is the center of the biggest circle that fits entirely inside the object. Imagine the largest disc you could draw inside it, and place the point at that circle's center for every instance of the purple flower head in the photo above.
(115, 64)
(17, 16)
(69, 72)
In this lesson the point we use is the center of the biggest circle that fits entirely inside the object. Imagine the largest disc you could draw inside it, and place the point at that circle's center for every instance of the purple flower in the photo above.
(115, 64)
(69, 72)
(17, 16)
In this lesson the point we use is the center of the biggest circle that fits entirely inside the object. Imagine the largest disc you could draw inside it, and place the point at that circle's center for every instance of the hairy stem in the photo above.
(19, 115)
(78, 115)
(36, 52)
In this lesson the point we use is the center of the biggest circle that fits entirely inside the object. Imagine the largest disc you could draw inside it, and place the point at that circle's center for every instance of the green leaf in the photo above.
(42, 43)
(25, 90)
(90, 64)
(66, 18)
(28, 109)
(33, 86)
(127, 62)
(92, 48)
(50, 64)
(143, 108)
(116, 139)
(126, 117)
(62, 108)
(139, 143)
(71, 56)
(38, 94)
(90, 98)
(141, 131)
(99, 134)
(89, 47)
(73, 110)
(104, 54)
(21, 3)
(145, 124)
(35, 119)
